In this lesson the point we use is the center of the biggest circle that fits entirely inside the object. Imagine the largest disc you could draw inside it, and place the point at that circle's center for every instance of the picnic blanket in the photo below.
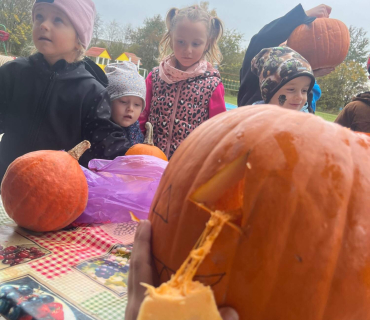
(80, 272)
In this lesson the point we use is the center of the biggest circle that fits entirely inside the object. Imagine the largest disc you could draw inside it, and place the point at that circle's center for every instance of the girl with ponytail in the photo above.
(185, 90)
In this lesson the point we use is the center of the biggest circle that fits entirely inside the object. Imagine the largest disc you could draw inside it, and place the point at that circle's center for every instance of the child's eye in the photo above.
(58, 20)
(124, 102)
(290, 89)
(180, 41)
(38, 17)
(137, 105)
(196, 44)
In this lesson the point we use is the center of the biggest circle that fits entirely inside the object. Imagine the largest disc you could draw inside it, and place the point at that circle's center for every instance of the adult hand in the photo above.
(322, 72)
(142, 270)
(321, 11)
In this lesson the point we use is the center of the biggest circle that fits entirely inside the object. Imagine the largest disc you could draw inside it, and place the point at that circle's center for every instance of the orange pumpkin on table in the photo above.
(298, 246)
(147, 148)
(45, 190)
(324, 42)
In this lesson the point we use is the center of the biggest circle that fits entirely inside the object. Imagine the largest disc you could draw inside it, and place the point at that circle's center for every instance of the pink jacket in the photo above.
(177, 109)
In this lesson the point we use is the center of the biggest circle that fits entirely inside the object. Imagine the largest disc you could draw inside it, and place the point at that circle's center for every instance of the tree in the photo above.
(145, 41)
(230, 46)
(358, 50)
(205, 5)
(17, 18)
(98, 30)
(340, 86)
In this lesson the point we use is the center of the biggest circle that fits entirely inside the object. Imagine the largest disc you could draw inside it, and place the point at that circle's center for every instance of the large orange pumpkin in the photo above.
(45, 190)
(299, 190)
(324, 42)
(147, 148)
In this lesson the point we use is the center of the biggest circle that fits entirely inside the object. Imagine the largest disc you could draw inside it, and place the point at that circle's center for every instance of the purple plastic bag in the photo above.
(119, 186)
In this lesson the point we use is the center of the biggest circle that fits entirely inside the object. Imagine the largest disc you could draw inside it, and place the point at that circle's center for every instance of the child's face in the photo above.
(293, 95)
(54, 35)
(189, 41)
(126, 110)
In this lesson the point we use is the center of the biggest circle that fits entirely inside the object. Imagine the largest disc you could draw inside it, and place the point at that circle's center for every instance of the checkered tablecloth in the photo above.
(83, 268)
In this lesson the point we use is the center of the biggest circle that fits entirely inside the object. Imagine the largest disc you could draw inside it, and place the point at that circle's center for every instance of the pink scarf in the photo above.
(170, 74)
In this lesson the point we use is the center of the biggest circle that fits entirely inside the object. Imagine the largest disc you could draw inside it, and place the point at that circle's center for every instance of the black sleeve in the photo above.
(108, 140)
(4, 89)
(271, 35)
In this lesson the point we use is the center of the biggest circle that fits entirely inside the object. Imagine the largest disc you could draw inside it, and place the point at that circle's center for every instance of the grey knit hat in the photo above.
(125, 80)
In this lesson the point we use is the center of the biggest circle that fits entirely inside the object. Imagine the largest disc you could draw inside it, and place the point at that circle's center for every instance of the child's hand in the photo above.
(142, 270)
(321, 11)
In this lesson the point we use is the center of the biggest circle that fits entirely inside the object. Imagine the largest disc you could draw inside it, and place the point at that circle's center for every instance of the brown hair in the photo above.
(194, 13)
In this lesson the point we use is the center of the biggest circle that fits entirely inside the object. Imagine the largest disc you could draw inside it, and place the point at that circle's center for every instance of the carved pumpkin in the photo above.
(45, 190)
(324, 42)
(298, 188)
(147, 148)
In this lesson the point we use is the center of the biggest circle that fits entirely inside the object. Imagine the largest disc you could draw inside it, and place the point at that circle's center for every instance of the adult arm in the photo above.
(271, 35)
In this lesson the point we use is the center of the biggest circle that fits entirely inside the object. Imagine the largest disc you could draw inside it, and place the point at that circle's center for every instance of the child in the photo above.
(53, 100)
(285, 77)
(185, 90)
(356, 114)
(271, 35)
(126, 88)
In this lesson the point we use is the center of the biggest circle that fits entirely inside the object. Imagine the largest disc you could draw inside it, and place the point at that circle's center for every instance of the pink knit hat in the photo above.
(80, 12)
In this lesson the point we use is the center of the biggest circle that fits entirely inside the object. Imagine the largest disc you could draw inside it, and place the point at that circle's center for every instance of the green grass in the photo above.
(326, 116)
(231, 99)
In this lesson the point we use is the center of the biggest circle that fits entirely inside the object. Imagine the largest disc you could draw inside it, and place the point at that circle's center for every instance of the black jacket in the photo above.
(271, 35)
(55, 108)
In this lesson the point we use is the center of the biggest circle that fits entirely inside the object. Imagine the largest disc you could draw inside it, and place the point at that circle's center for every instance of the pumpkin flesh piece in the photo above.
(181, 298)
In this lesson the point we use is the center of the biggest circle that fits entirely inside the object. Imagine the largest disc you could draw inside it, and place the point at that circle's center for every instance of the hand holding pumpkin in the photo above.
(321, 11)
(142, 270)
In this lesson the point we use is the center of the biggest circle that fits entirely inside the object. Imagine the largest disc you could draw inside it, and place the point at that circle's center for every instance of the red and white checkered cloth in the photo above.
(69, 248)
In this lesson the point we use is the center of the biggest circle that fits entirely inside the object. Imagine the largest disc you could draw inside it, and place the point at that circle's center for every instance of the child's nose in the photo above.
(45, 25)
(188, 49)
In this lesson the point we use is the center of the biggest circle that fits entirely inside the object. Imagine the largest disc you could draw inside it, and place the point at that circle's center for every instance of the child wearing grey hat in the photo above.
(127, 90)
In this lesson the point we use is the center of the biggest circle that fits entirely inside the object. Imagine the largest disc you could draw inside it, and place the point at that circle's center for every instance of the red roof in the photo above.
(95, 52)
(134, 57)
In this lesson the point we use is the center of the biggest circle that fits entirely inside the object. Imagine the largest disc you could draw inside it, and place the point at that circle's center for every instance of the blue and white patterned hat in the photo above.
(125, 80)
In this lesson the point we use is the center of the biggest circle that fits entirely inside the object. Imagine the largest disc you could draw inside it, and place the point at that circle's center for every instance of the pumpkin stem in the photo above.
(149, 134)
(79, 150)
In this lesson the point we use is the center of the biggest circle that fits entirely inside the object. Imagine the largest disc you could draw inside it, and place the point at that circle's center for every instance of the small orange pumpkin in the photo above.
(45, 190)
(324, 42)
(147, 148)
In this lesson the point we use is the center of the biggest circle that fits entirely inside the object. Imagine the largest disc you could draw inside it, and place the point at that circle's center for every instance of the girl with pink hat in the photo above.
(54, 99)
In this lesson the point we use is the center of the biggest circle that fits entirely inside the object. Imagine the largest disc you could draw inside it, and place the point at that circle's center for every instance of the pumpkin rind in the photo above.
(300, 249)
(324, 42)
(44, 190)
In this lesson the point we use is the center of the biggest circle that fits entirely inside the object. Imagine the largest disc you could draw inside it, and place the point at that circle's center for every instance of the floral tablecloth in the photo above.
(80, 272)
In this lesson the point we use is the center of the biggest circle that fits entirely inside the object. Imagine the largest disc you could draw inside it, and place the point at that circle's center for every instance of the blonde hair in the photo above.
(194, 13)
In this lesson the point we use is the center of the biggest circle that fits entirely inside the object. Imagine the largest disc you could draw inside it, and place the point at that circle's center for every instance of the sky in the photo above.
(246, 16)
